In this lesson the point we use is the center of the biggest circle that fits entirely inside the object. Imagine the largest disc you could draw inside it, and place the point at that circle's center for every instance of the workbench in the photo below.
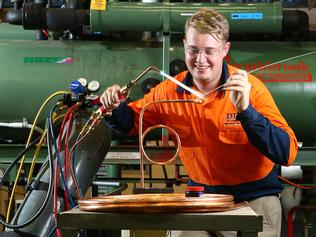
(244, 220)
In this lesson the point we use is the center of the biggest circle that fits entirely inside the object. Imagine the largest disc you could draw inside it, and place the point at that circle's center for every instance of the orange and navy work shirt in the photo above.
(225, 151)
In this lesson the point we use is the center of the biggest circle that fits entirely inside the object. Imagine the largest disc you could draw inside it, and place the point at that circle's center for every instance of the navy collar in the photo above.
(188, 80)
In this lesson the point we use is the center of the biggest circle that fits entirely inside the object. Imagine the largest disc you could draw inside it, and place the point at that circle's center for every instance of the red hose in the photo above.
(290, 217)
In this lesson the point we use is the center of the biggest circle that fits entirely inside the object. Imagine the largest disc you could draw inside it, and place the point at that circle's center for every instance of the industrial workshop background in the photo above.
(68, 52)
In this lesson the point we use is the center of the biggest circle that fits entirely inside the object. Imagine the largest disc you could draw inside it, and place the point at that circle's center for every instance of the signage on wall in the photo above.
(276, 72)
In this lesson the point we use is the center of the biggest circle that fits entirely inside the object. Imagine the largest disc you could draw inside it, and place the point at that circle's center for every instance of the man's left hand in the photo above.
(239, 88)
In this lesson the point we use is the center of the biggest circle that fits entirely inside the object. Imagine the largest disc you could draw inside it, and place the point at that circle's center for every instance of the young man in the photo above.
(232, 141)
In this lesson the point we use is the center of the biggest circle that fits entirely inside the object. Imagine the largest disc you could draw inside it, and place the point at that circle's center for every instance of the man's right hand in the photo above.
(111, 97)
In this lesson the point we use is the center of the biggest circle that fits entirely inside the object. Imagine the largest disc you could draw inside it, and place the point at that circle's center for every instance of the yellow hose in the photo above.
(38, 148)
(27, 144)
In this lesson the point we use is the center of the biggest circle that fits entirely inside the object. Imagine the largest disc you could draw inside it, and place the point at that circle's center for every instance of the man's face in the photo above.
(204, 55)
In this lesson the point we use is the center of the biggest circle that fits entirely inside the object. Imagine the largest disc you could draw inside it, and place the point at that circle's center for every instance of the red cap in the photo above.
(194, 189)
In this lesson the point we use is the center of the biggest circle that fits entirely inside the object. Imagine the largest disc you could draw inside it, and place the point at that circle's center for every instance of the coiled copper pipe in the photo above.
(142, 137)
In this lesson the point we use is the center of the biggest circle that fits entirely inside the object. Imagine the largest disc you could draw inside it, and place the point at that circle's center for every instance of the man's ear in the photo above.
(226, 49)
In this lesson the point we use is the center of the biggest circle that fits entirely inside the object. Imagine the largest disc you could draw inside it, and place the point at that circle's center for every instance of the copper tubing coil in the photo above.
(161, 209)
(160, 203)
(171, 131)
(156, 198)
(142, 137)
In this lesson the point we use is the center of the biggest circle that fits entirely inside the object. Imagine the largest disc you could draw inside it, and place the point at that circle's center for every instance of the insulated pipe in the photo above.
(14, 17)
(21, 125)
(266, 18)
(34, 16)
(135, 16)
(132, 16)
(295, 21)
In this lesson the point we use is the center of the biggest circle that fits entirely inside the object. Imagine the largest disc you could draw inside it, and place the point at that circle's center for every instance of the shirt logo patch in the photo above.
(230, 121)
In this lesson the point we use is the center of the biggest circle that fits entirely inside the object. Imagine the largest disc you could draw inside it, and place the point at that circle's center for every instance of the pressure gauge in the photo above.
(93, 86)
(78, 87)
(83, 81)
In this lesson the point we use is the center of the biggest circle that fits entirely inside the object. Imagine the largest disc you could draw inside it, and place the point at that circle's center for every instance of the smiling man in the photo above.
(233, 141)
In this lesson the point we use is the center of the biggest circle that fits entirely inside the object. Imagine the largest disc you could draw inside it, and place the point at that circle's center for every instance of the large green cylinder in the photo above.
(289, 72)
(30, 74)
(134, 16)
(14, 32)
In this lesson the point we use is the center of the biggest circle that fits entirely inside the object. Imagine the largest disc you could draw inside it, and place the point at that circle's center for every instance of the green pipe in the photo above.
(134, 16)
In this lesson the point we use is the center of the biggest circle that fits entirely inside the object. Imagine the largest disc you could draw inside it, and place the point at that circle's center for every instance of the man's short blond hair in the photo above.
(210, 22)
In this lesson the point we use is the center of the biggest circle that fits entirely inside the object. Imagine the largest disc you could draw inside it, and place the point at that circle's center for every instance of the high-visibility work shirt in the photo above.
(219, 147)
